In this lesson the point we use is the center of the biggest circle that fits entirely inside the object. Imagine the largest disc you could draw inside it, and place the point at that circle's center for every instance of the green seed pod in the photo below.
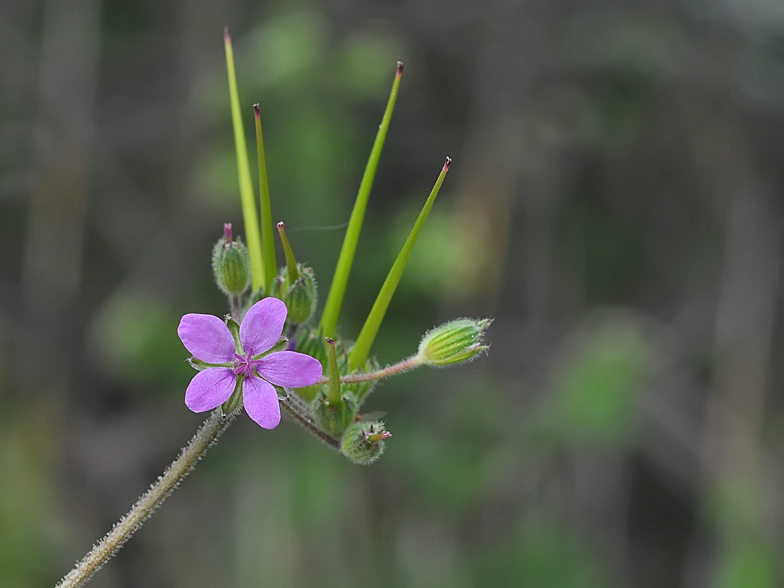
(454, 342)
(363, 443)
(296, 284)
(301, 296)
(231, 264)
(334, 418)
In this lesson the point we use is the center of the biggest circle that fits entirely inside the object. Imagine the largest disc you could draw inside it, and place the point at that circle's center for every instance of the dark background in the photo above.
(615, 202)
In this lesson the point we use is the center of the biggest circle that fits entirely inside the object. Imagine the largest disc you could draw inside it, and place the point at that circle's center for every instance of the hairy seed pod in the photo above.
(363, 443)
(301, 296)
(334, 418)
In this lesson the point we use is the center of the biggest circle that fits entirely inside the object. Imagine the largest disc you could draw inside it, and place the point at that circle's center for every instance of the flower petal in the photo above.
(209, 389)
(206, 337)
(289, 368)
(261, 402)
(263, 324)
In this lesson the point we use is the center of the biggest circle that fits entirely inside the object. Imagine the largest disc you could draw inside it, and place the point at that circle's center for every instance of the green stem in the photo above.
(243, 171)
(359, 353)
(267, 238)
(329, 320)
(215, 425)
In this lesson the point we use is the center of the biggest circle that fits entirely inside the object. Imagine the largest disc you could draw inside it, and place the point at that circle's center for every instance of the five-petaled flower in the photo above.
(208, 338)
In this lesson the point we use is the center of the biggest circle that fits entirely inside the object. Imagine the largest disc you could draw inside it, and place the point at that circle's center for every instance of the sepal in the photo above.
(235, 400)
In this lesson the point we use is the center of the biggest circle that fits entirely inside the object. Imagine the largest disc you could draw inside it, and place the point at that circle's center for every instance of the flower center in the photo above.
(244, 364)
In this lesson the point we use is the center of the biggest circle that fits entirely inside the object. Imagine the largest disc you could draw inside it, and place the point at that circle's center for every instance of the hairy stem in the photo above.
(207, 434)
(299, 411)
(390, 370)
(236, 307)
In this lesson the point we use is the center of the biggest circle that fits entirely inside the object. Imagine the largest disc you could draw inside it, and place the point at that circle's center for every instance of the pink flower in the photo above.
(208, 338)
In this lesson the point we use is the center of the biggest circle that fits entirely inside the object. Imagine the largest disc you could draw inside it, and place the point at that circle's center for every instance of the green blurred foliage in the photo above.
(135, 338)
(541, 558)
(26, 501)
(448, 263)
(459, 440)
(594, 399)
(750, 565)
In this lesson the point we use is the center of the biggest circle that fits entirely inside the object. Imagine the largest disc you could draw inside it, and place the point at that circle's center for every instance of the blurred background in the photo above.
(615, 203)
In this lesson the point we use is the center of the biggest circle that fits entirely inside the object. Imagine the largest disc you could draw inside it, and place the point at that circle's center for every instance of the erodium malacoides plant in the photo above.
(268, 355)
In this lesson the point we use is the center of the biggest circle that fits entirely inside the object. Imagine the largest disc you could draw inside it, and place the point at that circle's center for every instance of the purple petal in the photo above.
(206, 337)
(261, 402)
(263, 324)
(289, 368)
(209, 389)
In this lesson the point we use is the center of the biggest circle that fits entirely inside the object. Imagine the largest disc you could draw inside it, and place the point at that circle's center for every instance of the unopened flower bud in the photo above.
(363, 443)
(453, 342)
(231, 264)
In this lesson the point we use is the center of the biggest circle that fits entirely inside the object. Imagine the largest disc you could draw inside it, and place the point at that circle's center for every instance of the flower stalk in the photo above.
(296, 409)
(215, 425)
(389, 371)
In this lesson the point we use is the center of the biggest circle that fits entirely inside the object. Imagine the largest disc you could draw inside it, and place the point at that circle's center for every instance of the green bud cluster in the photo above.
(363, 443)
(454, 342)
(333, 406)
(231, 264)
(329, 408)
